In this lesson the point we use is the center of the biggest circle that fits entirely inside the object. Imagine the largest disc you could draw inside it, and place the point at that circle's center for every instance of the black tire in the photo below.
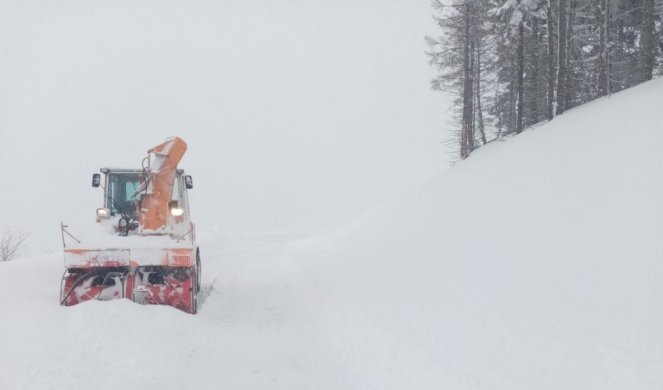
(194, 295)
(62, 292)
(198, 271)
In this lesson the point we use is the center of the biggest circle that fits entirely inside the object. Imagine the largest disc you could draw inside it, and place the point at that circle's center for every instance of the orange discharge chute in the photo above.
(162, 169)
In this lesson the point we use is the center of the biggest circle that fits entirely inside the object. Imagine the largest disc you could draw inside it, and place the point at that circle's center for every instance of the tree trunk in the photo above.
(647, 41)
(513, 96)
(552, 61)
(521, 75)
(569, 91)
(602, 18)
(482, 131)
(467, 138)
(561, 55)
(608, 42)
(534, 100)
(473, 117)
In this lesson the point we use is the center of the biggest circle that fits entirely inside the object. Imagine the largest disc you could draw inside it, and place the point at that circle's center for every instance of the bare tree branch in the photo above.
(11, 244)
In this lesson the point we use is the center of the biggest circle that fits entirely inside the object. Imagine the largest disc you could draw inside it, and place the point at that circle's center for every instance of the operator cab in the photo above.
(122, 195)
(124, 190)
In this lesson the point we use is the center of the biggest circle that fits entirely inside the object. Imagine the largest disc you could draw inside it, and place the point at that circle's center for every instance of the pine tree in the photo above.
(520, 52)
(551, 18)
(647, 41)
(625, 25)
(458, 53)
(602, 20)
(562, 38)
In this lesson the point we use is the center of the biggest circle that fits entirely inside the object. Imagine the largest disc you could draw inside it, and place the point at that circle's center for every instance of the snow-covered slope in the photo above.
(536, 264)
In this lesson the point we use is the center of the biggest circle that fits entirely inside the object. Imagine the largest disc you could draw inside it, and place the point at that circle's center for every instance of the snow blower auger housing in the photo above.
(146, 249)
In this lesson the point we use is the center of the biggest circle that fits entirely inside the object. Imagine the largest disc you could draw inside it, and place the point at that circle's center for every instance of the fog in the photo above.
(297, 113)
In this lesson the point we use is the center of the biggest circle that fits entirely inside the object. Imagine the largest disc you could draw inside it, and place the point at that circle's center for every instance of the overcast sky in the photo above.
(297, 113)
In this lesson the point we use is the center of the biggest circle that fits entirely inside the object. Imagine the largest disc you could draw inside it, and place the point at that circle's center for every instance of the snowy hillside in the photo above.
(535, 264)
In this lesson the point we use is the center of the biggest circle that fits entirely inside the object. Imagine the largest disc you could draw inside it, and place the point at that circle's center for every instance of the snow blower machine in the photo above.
(145, 248)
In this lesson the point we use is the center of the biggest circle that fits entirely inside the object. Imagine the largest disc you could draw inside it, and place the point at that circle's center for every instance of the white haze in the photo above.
(297, 113)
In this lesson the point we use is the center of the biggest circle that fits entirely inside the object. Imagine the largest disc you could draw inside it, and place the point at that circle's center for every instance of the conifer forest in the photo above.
(510, 64)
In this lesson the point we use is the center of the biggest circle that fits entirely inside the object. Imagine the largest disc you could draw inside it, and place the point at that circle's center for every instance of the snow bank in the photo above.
(534, 264)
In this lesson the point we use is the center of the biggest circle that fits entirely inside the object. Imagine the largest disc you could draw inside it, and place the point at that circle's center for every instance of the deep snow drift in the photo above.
(535, 264)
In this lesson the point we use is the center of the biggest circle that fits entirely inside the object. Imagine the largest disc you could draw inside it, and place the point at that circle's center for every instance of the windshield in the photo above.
(121, 187)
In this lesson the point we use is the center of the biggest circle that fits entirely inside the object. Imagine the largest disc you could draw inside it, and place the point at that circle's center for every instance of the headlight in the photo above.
(103, 213)
(176, 212)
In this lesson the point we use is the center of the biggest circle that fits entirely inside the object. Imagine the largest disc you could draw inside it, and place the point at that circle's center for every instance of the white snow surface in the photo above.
(535, 264)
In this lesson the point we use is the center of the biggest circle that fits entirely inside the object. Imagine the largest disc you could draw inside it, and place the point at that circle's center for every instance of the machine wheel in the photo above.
(198, 271)
(194, 293)
(62, 283)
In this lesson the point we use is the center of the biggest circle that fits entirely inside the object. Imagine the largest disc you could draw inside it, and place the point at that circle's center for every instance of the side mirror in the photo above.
(188, 181)
(96, 180)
